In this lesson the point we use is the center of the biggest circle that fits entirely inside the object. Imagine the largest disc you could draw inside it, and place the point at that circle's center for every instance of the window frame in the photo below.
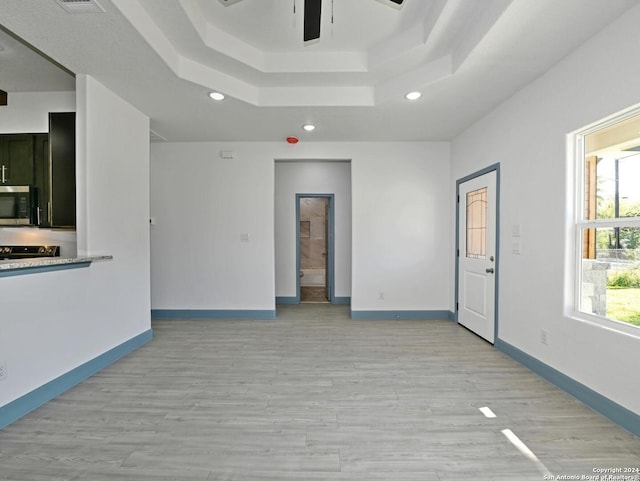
(580, 224)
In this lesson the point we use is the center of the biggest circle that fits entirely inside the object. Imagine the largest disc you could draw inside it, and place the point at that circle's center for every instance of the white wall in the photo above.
(310, 177)
(202, 204)
(113, 188)
(528, 136)
(53, 322)
(28, 112)
(401, 227)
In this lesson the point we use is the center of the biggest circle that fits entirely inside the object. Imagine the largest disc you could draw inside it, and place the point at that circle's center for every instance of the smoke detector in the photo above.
(81, 6)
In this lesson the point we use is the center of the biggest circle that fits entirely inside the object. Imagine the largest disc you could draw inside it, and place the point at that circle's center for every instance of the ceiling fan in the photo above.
(312, 15)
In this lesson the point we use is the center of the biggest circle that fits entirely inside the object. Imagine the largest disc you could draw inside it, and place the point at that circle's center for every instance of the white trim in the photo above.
(610, 223)
(578, 214)
(607, 324)
(613, 119)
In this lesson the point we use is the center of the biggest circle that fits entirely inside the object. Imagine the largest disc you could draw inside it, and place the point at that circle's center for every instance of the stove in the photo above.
(26, 252)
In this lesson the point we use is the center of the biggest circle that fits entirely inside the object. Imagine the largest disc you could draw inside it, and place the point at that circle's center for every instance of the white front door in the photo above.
(477, 255)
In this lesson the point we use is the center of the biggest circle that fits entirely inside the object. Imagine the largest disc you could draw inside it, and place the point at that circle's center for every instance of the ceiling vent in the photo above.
(81, 6)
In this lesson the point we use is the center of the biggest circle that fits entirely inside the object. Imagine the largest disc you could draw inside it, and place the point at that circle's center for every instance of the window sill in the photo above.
(608, 324)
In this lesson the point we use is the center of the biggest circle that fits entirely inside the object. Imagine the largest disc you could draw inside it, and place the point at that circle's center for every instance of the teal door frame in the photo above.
(330, 245)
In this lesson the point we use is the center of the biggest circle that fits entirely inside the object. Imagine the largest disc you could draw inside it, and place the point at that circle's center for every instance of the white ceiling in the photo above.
(164, 56)
(24, 70)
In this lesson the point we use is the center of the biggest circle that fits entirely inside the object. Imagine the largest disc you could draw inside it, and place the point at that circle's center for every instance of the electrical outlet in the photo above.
(3, 370)
(544, 337)
(381, 296)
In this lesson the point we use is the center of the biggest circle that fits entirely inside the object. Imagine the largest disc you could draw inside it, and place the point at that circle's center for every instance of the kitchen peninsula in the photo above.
(65, 318)
(18, 267)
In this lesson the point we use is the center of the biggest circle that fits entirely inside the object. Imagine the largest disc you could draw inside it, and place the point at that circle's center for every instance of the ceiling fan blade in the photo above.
(312, 14)
(393, 3)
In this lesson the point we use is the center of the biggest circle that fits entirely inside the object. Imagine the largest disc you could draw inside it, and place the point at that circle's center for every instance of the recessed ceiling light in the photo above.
(216, 96)
(308, 127)
(413, 96)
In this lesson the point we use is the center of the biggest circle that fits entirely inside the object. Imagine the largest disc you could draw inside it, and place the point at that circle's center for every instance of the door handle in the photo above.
(489, 270)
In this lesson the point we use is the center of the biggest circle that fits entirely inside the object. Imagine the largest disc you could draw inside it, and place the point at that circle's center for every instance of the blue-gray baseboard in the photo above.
(343, 301)
(282, 300)
(618, 414)
(380, 315)
(25, 404)
(213, 314)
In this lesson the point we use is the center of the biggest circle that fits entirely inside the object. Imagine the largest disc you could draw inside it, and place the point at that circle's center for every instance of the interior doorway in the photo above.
(314, 213)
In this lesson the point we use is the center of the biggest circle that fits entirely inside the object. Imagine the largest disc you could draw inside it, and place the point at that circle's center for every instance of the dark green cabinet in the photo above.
(16, 159)
(41, 176)
(58, 175)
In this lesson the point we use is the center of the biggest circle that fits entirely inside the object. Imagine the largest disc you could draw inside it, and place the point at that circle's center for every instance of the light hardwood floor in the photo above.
(312, 396)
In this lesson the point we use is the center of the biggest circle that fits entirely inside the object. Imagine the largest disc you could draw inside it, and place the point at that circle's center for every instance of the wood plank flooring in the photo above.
(311, 396)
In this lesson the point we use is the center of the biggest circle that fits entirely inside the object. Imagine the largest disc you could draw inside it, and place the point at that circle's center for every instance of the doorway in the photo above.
(477, 252)
(314, 215)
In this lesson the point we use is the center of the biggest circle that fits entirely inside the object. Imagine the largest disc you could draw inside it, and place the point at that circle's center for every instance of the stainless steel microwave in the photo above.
(18, 205)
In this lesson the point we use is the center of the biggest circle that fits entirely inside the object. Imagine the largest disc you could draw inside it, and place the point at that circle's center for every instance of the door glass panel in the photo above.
(477, 224)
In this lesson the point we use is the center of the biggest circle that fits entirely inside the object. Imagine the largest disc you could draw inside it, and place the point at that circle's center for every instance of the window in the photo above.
(608, 226)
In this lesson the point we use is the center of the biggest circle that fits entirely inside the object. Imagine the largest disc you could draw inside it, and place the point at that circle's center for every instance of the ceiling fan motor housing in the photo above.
(313, 15)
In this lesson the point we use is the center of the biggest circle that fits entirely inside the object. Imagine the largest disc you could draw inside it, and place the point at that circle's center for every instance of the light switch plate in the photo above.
(516, 247)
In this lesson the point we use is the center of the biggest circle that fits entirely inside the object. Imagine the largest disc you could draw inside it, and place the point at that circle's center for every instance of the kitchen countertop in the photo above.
(45, 264)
